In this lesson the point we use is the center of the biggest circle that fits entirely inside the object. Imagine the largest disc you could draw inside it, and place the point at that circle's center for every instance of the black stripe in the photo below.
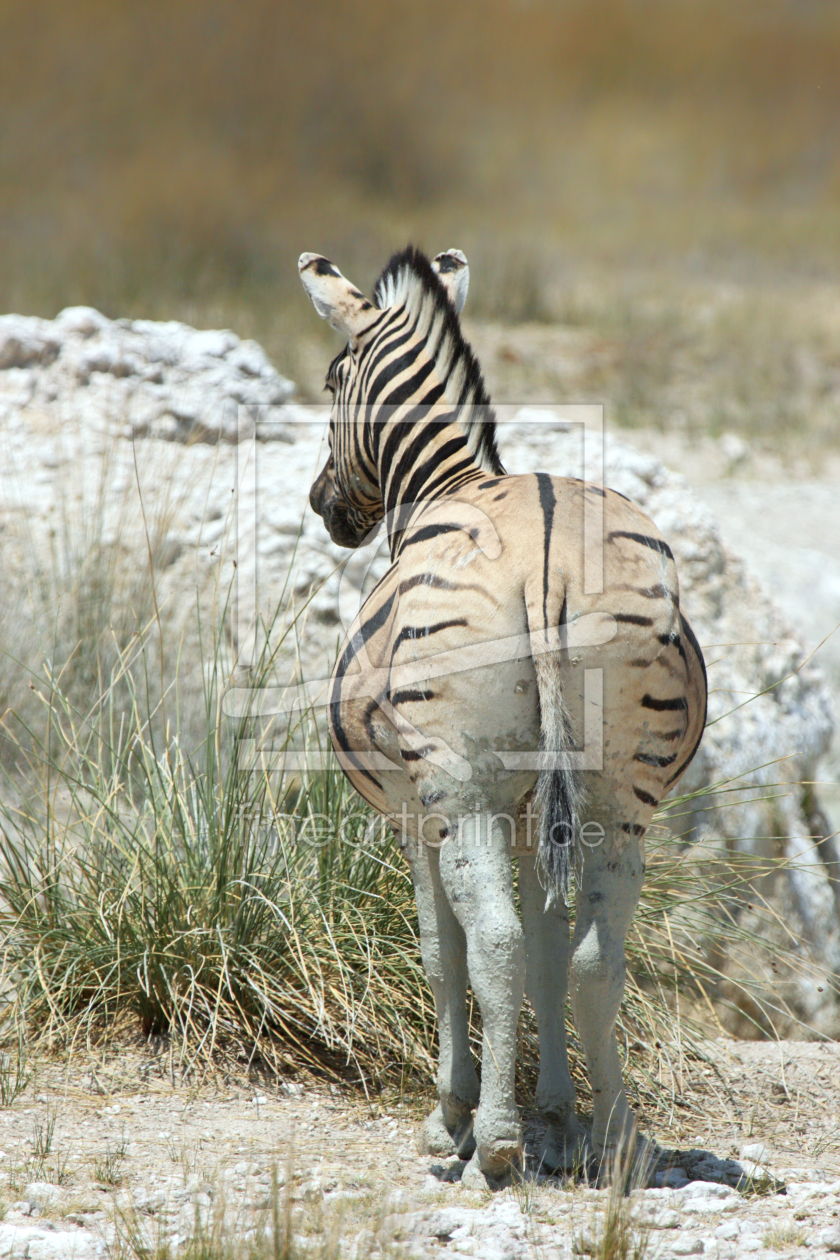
(427, 532)
(596, 490)
(633, 829)
(404, 697)
(695, 646)
(548, 500)
(447, 479)
(655, 544)
(645, 797)
(391, 368)
(692, 638)
(660, 706)
(633, 619)
(423, 632)
(649, 759)
(407, 390)
(431, 579)
(411, 493)
(409, 754)
(395, 333)
(369, 627)
(370, 709)
(672, 640)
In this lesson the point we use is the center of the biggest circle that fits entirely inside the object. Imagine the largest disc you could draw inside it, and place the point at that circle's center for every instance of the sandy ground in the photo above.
(351, 1175)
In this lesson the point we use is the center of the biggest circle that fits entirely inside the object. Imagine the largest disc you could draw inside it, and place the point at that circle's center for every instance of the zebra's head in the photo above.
(403, 348)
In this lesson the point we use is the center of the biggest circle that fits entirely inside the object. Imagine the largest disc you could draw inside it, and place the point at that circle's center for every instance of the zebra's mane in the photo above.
(410, 280)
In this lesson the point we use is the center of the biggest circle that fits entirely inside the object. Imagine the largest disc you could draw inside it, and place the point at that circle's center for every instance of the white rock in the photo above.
(83, 320)
(65, 1245)
(703, 1190)
(686, 1245)
(758, 1152)
(712, 1207)
(829, 1239)
(120, 371)
(734, 448)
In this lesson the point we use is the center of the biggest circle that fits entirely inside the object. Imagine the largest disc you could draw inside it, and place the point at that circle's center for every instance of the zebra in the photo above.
(480, 640)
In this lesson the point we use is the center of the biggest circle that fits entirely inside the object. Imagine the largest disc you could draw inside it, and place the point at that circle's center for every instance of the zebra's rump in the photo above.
(434, 696)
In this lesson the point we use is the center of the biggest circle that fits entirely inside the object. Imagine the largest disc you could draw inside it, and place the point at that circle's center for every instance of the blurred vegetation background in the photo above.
(665, 173)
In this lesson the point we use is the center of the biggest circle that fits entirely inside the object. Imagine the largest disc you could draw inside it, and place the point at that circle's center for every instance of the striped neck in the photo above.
(430, 426)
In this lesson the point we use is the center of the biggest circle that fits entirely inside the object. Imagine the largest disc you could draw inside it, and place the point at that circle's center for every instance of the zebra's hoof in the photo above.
(495, 1168)
(565, 1149)
(447, 1131)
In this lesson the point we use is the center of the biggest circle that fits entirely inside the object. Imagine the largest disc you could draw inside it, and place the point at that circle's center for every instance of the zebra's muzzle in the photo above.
(340, 529)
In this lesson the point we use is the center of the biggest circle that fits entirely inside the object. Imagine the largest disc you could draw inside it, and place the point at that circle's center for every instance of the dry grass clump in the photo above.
(177, 895)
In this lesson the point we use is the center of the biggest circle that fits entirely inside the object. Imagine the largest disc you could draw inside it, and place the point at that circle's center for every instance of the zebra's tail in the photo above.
(558, 798)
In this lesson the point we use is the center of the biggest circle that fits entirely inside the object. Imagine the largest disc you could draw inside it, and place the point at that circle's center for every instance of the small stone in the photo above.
(734, 448)
(292, 1089)
(699, 1190)
(687, 1245)
(656, 1218)
(829, 1239)
(758, 1152)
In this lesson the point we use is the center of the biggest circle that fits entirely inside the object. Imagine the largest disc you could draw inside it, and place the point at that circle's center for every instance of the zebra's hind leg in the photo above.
(476, 873)
(448, 1129)
(546, 982)
(607, 894)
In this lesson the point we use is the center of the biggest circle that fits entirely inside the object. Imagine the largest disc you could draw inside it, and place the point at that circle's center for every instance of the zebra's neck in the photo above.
(422, 458)
(435, 428)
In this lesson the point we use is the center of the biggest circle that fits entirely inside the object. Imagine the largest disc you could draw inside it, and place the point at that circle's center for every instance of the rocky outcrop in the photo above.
(119, 443)
(137, 377)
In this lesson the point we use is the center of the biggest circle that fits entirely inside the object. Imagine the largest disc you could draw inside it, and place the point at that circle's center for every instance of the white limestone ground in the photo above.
(763, 1175)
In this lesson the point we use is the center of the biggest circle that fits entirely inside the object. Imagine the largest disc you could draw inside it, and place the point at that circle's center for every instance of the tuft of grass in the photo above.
(41, 1167)
(785, 1237)
(15, 1076)
(613, 1233)
(108, 1168)
(43, 1133)
(184, 899)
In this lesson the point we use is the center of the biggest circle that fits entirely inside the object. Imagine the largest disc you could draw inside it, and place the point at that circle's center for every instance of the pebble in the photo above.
(686, 1245)
(829, 1239)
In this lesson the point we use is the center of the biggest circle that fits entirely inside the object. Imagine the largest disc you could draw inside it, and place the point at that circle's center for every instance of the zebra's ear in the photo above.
(334, 297)
(454, 272)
